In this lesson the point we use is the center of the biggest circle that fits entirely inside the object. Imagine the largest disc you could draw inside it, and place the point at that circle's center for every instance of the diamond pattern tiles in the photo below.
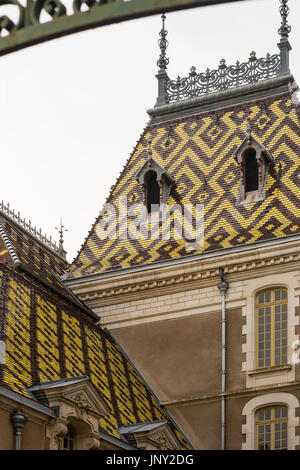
(34, 258)
(198, 153)
(47, 338)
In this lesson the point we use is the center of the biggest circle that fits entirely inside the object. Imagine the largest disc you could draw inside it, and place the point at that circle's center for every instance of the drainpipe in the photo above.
(18, 420)
(223, 287)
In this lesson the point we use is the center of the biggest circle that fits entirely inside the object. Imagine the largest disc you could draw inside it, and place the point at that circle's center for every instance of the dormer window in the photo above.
(157, 184)
(254, 160)
(250, 170)
(152, 192)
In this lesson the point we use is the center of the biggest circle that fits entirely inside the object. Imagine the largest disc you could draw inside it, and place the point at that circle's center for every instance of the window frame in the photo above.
(70, 437)
(267, 400)
(272, 305)
(272, 422)
(154, 207)
(264, 160)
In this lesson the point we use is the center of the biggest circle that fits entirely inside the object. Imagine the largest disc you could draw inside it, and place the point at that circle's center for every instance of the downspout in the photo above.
(18, 420)
(223, 287)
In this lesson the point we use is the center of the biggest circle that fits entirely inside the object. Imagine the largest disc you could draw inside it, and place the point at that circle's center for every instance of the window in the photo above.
(251, 170)
(272, 428)
(157, 184)
(271, 327)
(152, 192)
(66, 442)
(254, 161)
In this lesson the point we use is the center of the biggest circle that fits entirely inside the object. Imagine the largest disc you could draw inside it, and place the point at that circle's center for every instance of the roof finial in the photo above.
(163, 60)
(285, 28)
(249, 130)
(61, 231)
(284, 44)
(149, 150)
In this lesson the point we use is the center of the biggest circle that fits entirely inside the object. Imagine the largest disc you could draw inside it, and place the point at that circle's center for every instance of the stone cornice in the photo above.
(247, 392)
(161, 280)
(222, 99)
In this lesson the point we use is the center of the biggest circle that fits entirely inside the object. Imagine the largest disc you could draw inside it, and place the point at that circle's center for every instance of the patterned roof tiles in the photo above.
(47, 339)
(197, 151)
(20, 249)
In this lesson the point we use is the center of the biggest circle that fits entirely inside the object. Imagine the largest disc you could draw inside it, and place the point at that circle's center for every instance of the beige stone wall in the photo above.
(168, 320)
(181, 303)
(6, 431)
(34, 431)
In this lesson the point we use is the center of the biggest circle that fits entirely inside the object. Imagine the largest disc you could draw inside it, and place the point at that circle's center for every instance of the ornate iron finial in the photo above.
(193, 71)
(285, 28)
(163, 60)
(149, 150)
(249, 129)
(61, 229)
(284, 44)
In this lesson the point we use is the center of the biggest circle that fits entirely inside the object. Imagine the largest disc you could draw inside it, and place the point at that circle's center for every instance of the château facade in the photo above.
(177, 324)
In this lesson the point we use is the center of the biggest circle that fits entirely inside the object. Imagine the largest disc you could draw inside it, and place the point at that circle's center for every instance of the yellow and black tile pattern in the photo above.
(47, 338)
(197, 151)
(38, 260)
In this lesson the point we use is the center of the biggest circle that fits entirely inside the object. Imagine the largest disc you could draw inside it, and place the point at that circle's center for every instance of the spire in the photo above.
(285, 28)
(162, 64)
(249, 130)
(163, 60)
(149, 150)
(284, 31)
(61, 231)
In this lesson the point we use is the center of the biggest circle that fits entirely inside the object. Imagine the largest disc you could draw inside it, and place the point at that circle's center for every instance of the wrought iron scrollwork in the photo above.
(285, 28)
(223, 78)
(84, 15)
(54, 7)
(77, 4)
(6, 23)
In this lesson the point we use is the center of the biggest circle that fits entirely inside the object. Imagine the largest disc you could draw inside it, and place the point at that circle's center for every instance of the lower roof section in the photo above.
(48, 342)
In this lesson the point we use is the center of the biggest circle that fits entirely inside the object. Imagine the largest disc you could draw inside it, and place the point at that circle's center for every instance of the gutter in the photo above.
(223, 287)
(117, 442)
(25, 401)
(182, 260)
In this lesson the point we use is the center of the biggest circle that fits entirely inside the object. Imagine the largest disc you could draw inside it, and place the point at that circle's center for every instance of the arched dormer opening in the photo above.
(152, 191)
(250, 170)
(157, 184)
(253, 160)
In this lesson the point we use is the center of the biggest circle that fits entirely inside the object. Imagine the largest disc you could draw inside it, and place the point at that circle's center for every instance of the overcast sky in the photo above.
(73, 108)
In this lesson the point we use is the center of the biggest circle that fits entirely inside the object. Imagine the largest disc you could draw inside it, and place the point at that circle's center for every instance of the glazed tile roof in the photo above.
(47, 338)
(23, 251)
(197, 151)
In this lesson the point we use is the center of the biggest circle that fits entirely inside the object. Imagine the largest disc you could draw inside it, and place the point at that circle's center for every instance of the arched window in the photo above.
(271, 327)
(251, 170)
(271, 425)
(152, 192)
(254, 160)
(67, 442)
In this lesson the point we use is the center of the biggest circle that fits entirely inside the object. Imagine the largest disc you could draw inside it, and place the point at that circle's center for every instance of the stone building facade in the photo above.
(210, 317)
(177, 324)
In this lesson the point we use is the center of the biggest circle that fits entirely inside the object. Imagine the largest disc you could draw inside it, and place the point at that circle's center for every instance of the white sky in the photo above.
(73, 108)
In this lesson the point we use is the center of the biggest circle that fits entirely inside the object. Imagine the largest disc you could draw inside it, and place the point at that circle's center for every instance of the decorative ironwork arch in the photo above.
(28, 30)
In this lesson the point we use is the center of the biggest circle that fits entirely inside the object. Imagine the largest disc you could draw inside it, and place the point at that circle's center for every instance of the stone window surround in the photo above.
(283, 373)
(270, 399)
(264, 159)
(79, 405)
(165, 181)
